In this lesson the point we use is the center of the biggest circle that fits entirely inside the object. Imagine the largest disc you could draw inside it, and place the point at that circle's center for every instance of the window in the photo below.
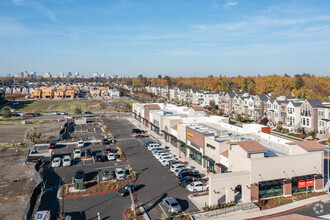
(210, 146)
(270, 189)
(304, 121)
(307, 121)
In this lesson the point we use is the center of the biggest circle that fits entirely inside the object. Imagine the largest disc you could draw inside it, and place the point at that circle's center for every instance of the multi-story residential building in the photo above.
(293, 119)
(309, 114)
(323, 121)
(114, 93)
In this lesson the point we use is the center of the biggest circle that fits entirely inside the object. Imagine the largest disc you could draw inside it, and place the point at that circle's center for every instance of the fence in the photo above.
(224, 211)
(35, 193)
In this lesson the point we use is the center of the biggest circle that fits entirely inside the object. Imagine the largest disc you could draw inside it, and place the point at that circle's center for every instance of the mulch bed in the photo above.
(94, 187)
(129, 214)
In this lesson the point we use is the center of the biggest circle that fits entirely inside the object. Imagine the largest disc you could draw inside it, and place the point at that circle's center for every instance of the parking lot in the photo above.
(86, 132)
(159, 182)
(154, 182)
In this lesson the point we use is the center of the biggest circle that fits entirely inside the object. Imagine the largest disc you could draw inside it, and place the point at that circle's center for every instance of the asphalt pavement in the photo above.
(157, 182)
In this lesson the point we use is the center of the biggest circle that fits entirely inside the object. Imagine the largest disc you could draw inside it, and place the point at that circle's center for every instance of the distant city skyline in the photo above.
(175, 38)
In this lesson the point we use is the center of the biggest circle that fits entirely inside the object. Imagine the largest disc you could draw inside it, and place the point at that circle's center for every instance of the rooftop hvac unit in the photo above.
(236, 137)
(222, 133)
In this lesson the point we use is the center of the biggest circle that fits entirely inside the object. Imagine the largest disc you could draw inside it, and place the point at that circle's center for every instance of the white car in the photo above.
(154, 150)
(156, 153)
(119, 173)
(66, 161)
(81, 144)
(166, 160)
(152, 146)
(76, 153)
(161, 154)
(55, 113)
(197, 186)
(167, 156)
(111, 156)
(68, 117)
(56, 162)
(178, 165)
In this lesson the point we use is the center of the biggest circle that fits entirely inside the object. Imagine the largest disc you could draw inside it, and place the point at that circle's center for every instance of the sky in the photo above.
(167, 37)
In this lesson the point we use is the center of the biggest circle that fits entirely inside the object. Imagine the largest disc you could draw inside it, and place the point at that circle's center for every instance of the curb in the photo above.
(125, 212)
(90, 194)
(289, 210)
(189, 197)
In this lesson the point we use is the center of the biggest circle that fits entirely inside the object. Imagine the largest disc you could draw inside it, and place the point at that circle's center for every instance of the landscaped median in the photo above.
(279, 201)
(94, 188)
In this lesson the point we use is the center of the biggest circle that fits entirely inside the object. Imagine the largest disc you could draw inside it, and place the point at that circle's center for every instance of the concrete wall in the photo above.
(227, 182)
(219, 148)
(195, 137)
(182, 133)
(238, 160)
(271, 168)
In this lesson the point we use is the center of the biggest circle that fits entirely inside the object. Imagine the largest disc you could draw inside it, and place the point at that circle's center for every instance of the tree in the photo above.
(299, 82)
(6, 112)
(32, 134)
(212, 104)
(78, 111)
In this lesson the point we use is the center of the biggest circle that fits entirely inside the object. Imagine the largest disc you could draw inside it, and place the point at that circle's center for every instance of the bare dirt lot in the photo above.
(15, 133)
(16, 184)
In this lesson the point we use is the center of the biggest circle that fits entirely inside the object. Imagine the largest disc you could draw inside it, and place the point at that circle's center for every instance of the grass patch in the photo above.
(285, 136)
(128, 101)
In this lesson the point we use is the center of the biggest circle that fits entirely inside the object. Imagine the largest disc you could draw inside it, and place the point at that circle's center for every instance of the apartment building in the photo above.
(239, 159)
(54, 92)
(324, 121)
(291, 113)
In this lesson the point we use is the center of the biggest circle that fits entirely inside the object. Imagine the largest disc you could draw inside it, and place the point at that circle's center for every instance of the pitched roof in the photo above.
(251, 146)
(198, 108)
(225, 153)
(314, 102)
(152, 106)
(175, 127)
(308, 145)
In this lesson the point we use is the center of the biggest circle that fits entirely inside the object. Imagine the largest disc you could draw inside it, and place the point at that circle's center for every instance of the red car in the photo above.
(52, 145)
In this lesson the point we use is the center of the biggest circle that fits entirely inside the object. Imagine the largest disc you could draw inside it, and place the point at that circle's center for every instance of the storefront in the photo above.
(154, 128)
(195, 155)
(174, 141)
(302, 183)
(183, 147)
(270, 188)
(210, 164)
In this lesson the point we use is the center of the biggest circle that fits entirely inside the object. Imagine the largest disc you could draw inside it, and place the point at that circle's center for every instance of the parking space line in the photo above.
(162, 209)
(97, 168)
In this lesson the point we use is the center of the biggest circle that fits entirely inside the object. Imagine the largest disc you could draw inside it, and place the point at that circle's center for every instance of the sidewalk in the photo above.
(274, 211)
(175, 151)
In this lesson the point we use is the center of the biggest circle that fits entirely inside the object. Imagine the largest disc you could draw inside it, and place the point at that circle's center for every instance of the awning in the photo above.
(208, 158)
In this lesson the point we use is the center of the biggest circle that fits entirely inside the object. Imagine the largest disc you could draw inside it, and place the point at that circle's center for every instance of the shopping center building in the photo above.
(245, 163)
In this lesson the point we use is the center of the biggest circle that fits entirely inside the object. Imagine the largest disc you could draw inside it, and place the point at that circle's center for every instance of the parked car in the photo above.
(105, 175)
(197, 186)
(89, 153)
(173, 162)
(119, 173)
(56, 162)
(79, 176)
(88, 112)
(148, 142)
(124, 190)
(166, 157)
(52, 145)
(165, 160)
(194, 174)
(66, 161)
(179, 170)
(185, 181)
(177, 166)
(15, 115)
(105, 141)
(159, 151)
(111, 156)
(172, 205)
(81, 144)
(63, 113)
(56, 113)
(99, 157)
(76, 153)
(158, 156)
(68, 117)
(154, 145)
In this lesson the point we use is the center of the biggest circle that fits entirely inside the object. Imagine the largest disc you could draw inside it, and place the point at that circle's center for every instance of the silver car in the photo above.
(105, 175)
(172, 205)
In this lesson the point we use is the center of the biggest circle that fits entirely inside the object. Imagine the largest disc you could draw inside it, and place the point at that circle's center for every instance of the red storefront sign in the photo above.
(305, 183)
(302, 184)
(309, 182)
